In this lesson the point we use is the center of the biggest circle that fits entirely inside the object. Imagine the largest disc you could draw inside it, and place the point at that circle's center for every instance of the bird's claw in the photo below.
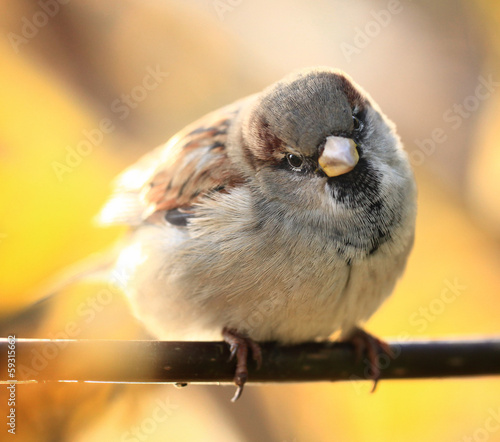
(374, 347)
(238, 346)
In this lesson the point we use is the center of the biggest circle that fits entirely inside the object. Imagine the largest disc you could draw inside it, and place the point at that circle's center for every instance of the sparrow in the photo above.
(297, 203)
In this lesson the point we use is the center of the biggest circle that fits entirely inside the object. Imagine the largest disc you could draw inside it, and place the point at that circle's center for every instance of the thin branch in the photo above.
(207, 362)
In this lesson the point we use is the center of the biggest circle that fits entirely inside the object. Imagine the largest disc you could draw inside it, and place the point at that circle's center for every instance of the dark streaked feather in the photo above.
(189, 166)
(177, 217)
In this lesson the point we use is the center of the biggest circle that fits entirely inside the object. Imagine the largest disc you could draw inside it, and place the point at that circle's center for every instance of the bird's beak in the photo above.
(339, 156)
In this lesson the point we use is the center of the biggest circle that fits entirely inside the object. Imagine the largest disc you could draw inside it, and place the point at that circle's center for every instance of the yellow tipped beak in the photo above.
(339, 156)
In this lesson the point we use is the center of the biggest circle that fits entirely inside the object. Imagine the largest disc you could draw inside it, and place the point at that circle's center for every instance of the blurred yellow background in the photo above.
(76, 110)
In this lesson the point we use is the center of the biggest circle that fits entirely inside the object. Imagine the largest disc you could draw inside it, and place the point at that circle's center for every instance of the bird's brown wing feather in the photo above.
(176, 175)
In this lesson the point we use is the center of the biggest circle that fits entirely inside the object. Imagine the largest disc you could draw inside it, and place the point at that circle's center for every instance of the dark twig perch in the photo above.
(207, 362)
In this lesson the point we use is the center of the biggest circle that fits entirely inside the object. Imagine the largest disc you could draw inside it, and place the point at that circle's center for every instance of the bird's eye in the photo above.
(294, 160)
(357, 124)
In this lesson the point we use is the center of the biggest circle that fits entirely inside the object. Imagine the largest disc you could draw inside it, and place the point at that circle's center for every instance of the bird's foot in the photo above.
(374, 348)
(239, 344)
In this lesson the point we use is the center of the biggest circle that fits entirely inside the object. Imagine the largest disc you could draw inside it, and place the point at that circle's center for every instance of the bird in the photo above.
(297, 202)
